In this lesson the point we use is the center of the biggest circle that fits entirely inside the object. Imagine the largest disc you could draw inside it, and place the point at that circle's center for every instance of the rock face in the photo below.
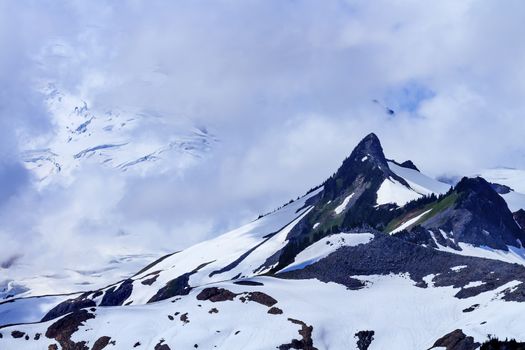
(215, 294)
(472, 212)
(177, 286)
(519, 217)
(62, 330)
(480, 209)
(115, 297)
(364, 339)
(112, 296)
(305, 343)
(101, 343)
(67, 307)
(456, 340)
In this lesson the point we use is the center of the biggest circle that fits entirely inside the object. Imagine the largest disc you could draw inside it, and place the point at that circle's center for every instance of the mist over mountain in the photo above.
(132, 131)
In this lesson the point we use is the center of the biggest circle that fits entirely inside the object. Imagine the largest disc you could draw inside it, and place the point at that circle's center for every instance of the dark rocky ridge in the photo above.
(386, 254)
(491, 214)
(519, 217)
(177, 286)
(68, 306)
(475, 214)
(111, 296)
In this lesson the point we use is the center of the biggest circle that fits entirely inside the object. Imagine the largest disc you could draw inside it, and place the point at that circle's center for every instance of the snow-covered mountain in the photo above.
(379, 256)
(129, 142)
(120, 139)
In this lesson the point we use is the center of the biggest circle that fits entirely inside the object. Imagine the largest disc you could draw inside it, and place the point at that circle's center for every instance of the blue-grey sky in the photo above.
(285, 86)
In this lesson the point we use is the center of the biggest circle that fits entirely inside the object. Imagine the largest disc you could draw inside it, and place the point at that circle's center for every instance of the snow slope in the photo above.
(236, 254)
(20, 280)
(513, 255)
(392, 191)
(419, 182)
(415, 320)
(325, 247)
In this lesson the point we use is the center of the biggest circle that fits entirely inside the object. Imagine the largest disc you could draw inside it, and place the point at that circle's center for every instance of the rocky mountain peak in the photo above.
(478, 195)
(363, 171)
(370, 147)
(367, 155)
(475, 184)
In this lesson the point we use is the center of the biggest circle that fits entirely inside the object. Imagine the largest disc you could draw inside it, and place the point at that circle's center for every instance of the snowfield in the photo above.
(239, 253)
(418, 181)
(392, 191)
(513, 255)
(401, 315)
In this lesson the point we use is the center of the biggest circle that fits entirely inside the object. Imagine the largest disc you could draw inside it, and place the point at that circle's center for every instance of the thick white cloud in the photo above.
(286, 85)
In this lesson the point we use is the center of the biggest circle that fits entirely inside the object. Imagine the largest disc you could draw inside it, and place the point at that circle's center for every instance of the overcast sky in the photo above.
(287, 87)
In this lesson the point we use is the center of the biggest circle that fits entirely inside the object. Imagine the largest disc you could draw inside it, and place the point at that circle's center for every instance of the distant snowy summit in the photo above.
(135, 140)
(379, 256)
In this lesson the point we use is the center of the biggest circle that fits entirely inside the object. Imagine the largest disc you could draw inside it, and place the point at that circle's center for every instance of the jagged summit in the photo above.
(369, 151)
(366, 168)
(369, 146)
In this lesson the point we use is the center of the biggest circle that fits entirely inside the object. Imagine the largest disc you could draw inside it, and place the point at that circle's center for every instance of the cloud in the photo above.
(286, 85)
